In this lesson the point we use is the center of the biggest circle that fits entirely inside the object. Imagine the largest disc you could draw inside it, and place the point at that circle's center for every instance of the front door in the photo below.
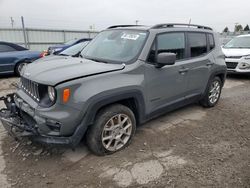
(167, 85)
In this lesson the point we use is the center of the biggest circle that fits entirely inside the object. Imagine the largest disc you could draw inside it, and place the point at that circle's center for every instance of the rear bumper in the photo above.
(18, 125)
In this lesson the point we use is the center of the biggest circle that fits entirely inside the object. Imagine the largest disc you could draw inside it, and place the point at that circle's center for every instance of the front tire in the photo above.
(213, 93)
(112, 131)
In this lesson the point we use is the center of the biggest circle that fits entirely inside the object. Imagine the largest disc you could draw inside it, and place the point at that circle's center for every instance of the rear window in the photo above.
(211, 41)
(197, 44)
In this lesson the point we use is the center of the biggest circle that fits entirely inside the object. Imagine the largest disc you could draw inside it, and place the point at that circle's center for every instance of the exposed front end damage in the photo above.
(20, 120)
(11, 118)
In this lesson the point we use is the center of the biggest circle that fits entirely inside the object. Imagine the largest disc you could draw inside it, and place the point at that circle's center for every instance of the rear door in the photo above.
(200, 62)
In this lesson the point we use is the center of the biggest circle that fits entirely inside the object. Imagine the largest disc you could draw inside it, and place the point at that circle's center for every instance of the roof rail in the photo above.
(165, 25)
(115, 26)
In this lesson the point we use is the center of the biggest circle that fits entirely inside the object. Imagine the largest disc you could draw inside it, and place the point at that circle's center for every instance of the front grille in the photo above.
(231, 65)
(234, 57)
(31, 88)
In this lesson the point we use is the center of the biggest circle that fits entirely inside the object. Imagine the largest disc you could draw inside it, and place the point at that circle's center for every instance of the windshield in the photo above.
(70, 42)
(239, 42)
(73, 50)
(115, 46)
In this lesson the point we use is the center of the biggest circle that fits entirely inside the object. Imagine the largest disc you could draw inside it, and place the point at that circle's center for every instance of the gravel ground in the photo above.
(190, 147)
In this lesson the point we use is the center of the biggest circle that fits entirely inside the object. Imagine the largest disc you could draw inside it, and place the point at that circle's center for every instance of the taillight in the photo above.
(44, 53)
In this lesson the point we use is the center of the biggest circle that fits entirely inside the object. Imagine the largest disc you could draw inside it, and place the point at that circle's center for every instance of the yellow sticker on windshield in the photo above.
(130, 36)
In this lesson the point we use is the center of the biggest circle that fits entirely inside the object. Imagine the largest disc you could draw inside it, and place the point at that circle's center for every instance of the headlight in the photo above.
(51, 93)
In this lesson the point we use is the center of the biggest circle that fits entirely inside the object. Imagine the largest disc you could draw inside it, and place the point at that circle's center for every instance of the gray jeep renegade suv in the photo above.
(126, 76)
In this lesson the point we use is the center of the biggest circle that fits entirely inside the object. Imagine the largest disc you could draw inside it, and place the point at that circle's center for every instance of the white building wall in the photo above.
(41, 39)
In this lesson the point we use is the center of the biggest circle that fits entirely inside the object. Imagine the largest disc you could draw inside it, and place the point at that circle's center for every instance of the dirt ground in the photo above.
(191, 147)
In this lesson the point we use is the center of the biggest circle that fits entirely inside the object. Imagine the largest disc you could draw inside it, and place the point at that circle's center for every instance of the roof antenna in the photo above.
(189, 22)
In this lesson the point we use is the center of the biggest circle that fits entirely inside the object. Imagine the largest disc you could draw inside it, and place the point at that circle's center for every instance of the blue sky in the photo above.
(80, 14)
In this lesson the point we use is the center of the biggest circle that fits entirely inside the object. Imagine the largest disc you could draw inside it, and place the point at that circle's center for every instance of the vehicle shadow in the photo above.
(7, 76)
(239, 76)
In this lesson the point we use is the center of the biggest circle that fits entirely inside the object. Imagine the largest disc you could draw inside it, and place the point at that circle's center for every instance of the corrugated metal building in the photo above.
(40, 39)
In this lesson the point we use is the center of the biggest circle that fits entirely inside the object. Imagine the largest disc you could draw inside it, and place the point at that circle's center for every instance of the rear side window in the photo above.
(211, 41)
(6, 48)
(173, 43)
(197, 44)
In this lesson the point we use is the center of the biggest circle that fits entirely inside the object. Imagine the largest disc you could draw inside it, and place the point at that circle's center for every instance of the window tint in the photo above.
(6, 48)
(197, 43)
(211, 41)
(173, 43)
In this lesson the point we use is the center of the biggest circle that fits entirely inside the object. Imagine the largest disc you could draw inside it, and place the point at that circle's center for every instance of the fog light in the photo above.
(244, 66)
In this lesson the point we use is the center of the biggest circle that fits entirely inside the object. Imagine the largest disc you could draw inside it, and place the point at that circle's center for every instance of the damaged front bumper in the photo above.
(19, 119)
(12, 121)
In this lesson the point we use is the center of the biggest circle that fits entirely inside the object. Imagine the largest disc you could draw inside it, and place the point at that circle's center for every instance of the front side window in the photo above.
(6, 48)
(115, 46)
(197, 44)
(172, 43)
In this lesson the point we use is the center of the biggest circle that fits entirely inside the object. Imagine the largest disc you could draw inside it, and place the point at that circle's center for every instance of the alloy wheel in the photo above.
(116, 132)
(214, 92)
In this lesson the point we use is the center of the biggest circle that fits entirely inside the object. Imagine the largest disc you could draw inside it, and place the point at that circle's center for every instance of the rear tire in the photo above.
(212, 94)
(112, 131)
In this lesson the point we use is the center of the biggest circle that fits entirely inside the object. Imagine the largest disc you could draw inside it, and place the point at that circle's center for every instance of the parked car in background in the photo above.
(73, 51)
(124, 77)
(59, 48)
(13, 57)
(237, 52)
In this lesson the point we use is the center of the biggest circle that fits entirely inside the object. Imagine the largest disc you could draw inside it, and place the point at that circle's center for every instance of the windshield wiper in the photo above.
(97, 60)
(78, 54)
(235, 47)
(63, 54)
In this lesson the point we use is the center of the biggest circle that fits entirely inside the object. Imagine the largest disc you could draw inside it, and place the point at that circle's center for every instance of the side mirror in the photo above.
(165, 59)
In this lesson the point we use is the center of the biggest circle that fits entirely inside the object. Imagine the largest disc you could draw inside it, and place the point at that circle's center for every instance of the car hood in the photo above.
(55, 71)
(235, 52)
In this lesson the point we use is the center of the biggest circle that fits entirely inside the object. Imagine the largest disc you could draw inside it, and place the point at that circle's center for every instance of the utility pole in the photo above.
(24, 32)
(12, 22)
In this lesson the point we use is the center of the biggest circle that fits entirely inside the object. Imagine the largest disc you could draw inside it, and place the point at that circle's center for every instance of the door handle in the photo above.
(183, 70)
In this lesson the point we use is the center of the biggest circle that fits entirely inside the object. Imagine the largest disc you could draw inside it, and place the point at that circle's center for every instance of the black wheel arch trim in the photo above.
(219, 72)
(104, 100)
(214, 74)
